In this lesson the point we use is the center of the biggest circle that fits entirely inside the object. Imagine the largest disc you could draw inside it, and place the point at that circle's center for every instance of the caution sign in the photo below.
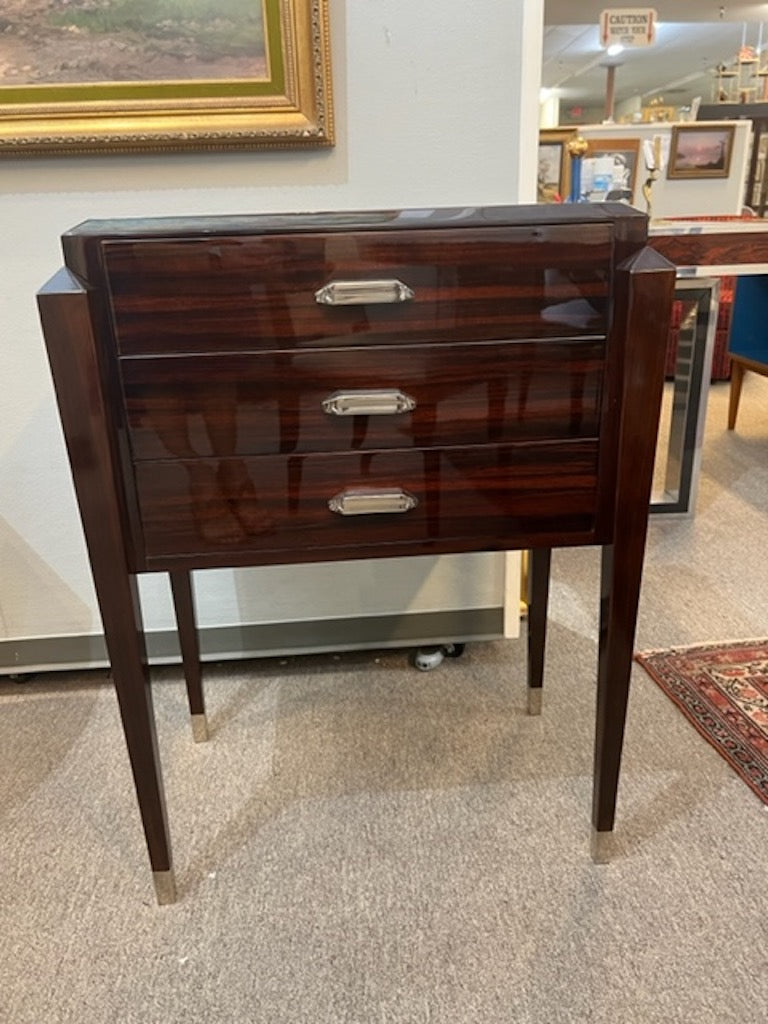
(629, 26)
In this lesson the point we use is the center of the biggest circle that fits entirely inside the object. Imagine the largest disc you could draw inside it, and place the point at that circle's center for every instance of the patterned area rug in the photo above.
(723, 690)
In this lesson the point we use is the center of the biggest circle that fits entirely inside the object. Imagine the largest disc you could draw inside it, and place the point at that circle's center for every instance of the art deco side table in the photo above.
(287, 389)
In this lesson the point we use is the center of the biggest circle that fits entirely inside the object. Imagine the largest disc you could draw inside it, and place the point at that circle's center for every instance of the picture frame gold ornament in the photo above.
(290, 107)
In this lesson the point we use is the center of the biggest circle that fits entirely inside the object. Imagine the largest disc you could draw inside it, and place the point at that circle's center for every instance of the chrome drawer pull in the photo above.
(368, 501)
(378, 402)
(358, 293)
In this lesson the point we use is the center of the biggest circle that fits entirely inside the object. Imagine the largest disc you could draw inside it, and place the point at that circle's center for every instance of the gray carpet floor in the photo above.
(361, 842)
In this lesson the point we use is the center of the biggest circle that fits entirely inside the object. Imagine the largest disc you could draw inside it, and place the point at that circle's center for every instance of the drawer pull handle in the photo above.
(369, 501)
(378, 402)
(359, 293)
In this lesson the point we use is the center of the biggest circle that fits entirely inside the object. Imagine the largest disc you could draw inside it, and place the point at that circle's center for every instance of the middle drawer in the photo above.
(331, 400)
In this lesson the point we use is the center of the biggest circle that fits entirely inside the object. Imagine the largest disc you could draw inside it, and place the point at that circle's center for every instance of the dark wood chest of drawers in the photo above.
(286, 389)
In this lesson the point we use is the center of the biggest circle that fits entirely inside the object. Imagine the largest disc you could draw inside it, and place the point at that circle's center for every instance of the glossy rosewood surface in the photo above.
(83, 244)
(709, 249)
(644, 291)
(229, 294)
(190, 360)
(273, 503)
(265, 403)
(73, 351)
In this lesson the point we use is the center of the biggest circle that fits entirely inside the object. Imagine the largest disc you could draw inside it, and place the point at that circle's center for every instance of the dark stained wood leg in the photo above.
(642, 307)
(121, 616)
(734, 395)
(614, 666)
(620, 578)
(184, 605)
(539, 562)
(85, 410)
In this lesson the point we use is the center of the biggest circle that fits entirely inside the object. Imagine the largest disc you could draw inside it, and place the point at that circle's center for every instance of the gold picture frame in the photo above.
(287, 102)
(700, 151)
(553, 181)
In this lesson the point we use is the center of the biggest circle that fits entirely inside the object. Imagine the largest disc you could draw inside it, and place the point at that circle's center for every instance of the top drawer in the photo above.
(230, 293)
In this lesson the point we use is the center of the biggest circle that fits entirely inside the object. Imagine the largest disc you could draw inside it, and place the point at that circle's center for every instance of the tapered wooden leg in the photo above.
(184, 604)
(123, 630)
(538, 600)
(644, 309)
(85, 410)
(734, 395)
(621, 572)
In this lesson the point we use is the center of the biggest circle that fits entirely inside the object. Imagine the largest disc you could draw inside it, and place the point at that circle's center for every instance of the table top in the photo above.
(713, 248)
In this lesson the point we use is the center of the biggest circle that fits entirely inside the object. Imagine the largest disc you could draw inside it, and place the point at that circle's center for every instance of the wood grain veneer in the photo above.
(191, 360)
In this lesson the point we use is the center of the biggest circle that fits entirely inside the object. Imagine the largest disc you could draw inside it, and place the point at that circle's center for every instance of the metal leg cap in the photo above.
(535, 696)
(199, 728)
(602, 846)
(165, 886)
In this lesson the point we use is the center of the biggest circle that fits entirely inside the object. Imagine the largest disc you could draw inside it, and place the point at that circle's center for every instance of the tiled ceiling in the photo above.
(677, 67)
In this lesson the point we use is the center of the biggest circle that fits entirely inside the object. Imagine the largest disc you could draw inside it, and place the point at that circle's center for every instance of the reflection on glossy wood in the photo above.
(258, 504)
(229, 294)
(264, 403)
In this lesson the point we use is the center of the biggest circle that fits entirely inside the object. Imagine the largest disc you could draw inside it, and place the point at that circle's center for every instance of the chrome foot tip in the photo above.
(602, 846)
(535, 697)
(199, 728)
(165, 886)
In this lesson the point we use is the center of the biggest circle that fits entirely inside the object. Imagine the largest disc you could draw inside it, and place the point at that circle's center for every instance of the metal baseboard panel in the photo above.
(221, 643)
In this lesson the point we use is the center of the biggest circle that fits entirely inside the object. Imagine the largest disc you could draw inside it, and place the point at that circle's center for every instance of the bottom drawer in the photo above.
(478, 495)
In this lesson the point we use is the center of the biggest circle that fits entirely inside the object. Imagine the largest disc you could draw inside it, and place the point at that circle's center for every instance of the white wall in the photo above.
(434, 106)
(685, 197)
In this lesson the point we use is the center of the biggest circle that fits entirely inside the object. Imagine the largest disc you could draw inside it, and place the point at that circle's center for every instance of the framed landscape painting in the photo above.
(122, 76)
(699, 151)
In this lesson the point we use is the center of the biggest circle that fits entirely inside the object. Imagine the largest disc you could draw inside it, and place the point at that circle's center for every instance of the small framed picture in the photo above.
(609, 170)
(698, 151)
(553, 180)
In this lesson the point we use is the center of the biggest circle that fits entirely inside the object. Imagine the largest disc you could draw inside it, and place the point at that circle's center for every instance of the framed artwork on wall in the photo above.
(700, 151)
(554, 168)
(129, 76)
(609, 170)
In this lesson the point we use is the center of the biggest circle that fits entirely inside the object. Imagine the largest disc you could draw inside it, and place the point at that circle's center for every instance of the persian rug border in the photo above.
(696, 679)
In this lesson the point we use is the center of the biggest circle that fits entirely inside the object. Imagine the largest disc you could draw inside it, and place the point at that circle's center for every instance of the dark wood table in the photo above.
(288, 389)
(703, 250)
(708, 248)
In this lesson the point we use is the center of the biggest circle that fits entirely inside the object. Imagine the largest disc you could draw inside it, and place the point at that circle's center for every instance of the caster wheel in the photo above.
(453, 650)
(428, 658)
